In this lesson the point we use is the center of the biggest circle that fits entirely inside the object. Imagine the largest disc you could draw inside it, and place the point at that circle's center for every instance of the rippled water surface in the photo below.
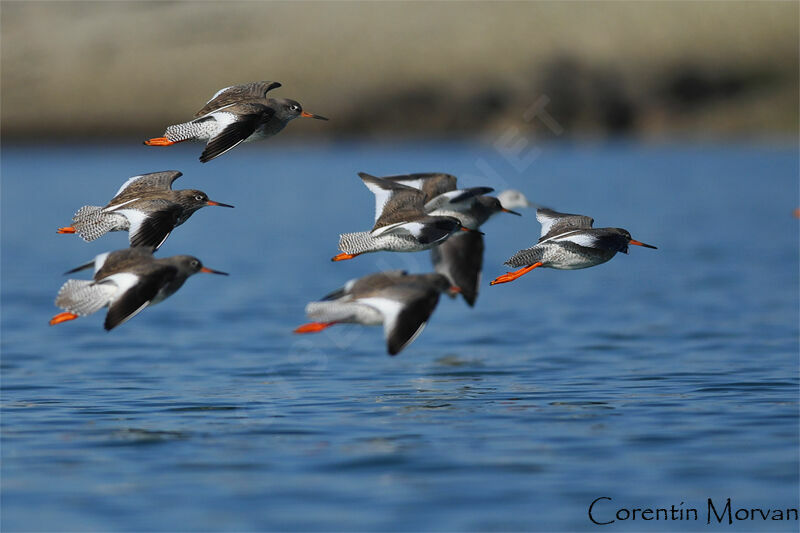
(661, 377)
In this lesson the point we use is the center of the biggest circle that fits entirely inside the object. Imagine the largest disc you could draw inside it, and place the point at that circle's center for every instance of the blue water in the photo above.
(661, 377)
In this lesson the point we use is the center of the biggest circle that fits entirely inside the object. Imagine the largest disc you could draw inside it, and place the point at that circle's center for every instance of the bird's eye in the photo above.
(294, 107)
(199, 197)
(195, 263)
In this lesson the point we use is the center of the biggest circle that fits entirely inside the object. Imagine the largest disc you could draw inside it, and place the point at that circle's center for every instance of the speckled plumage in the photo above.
(236, 114)
(126, 281)
(145, 206)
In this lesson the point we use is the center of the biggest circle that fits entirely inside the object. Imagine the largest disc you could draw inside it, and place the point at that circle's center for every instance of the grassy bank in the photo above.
(662, 68)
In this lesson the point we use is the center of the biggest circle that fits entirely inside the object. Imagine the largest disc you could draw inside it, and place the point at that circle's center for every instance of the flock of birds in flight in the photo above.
(413, 212)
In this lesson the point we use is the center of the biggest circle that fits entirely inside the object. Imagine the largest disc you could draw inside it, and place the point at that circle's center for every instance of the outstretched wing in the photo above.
(432, 184)
(237, 93)
(460, 259)
(405, 309)
(154, 229)
(240, 126)
(394, 202)
(139, 293)
(457, 199)
(426, 230)
(555, 223)
(148, 182)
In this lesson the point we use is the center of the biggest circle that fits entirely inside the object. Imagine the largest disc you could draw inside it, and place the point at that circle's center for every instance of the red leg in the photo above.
(511, 276)
(62, 317)
(343, 257)
(313, 327)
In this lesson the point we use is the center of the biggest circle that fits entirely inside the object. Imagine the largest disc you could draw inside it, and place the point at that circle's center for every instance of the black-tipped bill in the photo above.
(510, 212)
(312, 115)
(207, 270)
(220, 204)
(637, 243)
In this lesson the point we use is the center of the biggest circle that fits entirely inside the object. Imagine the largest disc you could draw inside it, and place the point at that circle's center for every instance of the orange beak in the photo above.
(637, 243)
(453, 290)
(220, 204)
(312, 115)
(206, 270)
(509, 211)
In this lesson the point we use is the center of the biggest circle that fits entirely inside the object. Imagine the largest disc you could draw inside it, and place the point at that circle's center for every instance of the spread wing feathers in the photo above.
(237, 93)
(554, 223)
(432, 184)
(393, 200)
(460, 259)
(459, 196)
(97, 263)
(596, 239)
(136, 293)
(374, 282)
(427, 230)
(129, 259)
(233, 135)
(155, 228)
(406, 309)
(148, 182)
(84, 297)
(581, 238)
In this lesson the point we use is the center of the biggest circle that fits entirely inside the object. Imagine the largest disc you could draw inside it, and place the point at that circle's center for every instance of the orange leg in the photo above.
(160, 141)
(67, 229)
(62, 317)
(343, 257)
(313, 327)
(511, 276)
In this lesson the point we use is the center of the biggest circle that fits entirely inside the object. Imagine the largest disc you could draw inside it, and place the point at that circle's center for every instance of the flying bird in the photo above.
(236, 114)
(126, 281)
(401, 302)
(401, 223)
(569, 242)
(460, 257)
(145, 206)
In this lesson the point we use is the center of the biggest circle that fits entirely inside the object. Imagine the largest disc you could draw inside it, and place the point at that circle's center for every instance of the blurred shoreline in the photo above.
(660, 70)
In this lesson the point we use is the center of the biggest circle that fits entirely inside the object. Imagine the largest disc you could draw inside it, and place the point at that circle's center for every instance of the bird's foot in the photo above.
(313, 327)
(343, 257)
(511, 276)
(66, 229)
(62, 317)
(159, 141)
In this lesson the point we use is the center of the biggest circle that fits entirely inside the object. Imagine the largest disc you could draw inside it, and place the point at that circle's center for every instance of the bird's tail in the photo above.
(356, 243)
(90, 222)
(84, 297)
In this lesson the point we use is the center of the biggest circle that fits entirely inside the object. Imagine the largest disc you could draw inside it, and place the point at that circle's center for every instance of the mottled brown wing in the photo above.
(555, 223)
(394, 202)
(146, 183)
(126, 259)
(432, 184)
(238, 93)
